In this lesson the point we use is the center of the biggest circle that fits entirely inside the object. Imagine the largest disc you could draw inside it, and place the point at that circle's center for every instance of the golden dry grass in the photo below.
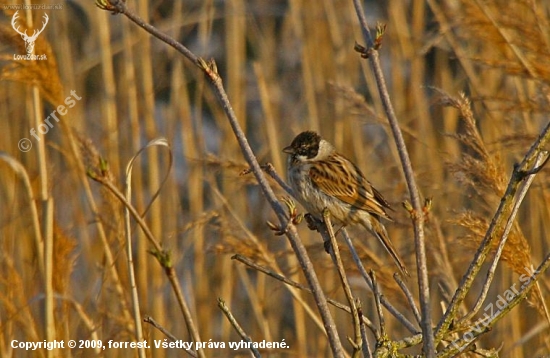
(469, 82)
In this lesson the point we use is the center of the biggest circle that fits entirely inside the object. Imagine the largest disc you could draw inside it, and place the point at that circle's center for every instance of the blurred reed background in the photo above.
(288, 66)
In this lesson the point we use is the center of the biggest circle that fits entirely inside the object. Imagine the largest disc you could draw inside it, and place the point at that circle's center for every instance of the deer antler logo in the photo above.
(29, 40)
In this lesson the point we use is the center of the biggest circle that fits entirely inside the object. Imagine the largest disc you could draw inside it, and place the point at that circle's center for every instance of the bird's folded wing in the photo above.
(343, 180)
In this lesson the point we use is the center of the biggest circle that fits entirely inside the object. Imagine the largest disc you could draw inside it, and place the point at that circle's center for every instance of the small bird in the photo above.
(323, 178)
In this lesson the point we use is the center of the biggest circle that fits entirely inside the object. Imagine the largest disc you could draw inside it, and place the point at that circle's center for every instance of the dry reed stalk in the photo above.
(130, 92)
(102, 175)
(152, 172)
(108, 102)
(194, 146)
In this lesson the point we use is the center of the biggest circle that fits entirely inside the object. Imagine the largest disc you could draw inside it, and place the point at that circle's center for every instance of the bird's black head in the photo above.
(306, 144)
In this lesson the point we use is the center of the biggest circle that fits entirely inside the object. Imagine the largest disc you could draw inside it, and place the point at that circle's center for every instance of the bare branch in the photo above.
(409, 296)
(237, 326)
(542, 157)
(505, 207)
(151, 321)
(210, 70)
(371, 53)
(398, 315)
(345, 283)
(488, 322)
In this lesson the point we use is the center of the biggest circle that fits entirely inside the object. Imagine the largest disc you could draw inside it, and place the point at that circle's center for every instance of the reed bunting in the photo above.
(323, 178)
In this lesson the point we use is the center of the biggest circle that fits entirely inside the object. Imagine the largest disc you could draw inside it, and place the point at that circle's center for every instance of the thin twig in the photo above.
(151, 321)
(290, 230)
(497, 221)
(289, 282)
(119, 7)
(116, 192)
(398, 315)
(485, 326)
(345, 283)
(209, 68)
(162, 256)
(268, 256)
(237, 326)
(404, 343)
(377, 295)
(541, 159)
(367, 353)
(418, 220)
(321, 228)
(270, 169)
(409, 296)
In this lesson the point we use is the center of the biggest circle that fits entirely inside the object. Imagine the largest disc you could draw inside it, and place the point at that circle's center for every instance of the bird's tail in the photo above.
(380, 232)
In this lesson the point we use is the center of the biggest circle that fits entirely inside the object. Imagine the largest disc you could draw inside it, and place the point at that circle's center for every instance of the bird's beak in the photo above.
(288, 150)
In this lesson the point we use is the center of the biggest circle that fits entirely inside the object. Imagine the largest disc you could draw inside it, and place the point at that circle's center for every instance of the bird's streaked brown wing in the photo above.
(336, 176)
